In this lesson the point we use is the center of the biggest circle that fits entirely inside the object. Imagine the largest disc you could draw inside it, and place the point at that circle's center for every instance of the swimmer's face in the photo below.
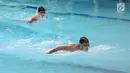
(84, 46)
(42, 13)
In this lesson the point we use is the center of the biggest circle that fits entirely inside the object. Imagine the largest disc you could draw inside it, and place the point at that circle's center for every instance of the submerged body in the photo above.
(40, 13)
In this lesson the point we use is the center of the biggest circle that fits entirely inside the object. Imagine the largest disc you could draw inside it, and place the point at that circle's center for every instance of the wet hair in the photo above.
(41, 9)
(83, 40)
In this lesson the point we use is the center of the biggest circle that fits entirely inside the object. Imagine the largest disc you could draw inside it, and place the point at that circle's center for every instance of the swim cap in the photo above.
(83, 40)
(41, 9)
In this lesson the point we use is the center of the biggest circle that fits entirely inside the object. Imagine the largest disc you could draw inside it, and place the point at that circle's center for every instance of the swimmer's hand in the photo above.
(47, 52)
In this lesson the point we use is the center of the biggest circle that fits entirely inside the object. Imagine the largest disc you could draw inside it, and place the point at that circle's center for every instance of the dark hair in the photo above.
(41, 9)
(83, 40)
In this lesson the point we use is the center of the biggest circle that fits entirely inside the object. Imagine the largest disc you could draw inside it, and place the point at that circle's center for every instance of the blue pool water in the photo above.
(22, 45)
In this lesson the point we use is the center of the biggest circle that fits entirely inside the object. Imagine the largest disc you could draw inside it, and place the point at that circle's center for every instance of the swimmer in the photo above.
(83, 46)
(40, 13)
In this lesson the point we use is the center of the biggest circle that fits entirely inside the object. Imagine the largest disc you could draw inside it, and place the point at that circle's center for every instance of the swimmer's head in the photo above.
(41, 11)
(84, 41)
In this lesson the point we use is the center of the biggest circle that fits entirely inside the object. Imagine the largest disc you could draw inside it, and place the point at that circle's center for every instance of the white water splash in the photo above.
(66, 53)
(46, 43)
(16, 44)
(57, 18)
(99, 48)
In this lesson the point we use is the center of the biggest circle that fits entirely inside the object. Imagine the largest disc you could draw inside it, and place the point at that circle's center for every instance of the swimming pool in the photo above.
(22, 45)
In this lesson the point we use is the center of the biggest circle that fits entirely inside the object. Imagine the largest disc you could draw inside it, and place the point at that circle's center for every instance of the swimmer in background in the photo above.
(83, 46)
(40, 13)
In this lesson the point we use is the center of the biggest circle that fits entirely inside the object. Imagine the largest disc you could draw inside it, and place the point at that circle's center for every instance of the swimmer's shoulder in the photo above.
(35, 17)
(73, 45)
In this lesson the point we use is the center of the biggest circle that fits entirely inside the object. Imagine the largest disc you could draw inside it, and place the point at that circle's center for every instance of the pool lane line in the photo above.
(87, 15)
(77, 14)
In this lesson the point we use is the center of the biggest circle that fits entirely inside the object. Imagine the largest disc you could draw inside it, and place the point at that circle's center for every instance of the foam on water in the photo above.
(57, 18)
(100, 48)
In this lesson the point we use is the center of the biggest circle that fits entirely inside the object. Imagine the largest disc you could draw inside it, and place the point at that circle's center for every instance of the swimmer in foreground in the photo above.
(83, 46)
(40, 13)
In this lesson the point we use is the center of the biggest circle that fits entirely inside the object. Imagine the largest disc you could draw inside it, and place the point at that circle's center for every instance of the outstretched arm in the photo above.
(24, 20)
(57, 49)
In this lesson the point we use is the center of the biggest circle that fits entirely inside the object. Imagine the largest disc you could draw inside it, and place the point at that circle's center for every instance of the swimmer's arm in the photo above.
(25, 20)
(32, 19)
(20, 19)
(57, 49)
